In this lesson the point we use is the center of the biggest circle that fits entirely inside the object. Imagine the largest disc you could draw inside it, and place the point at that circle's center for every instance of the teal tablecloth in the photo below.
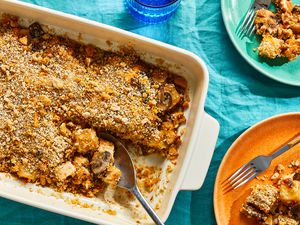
(238, 95)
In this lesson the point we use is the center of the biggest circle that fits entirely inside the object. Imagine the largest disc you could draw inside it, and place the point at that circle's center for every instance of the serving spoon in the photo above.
(124, 163)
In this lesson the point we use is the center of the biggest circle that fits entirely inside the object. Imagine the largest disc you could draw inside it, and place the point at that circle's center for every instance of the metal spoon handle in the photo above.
(146, 205)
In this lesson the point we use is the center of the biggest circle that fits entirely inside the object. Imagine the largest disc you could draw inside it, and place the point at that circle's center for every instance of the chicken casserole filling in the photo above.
(56, 94)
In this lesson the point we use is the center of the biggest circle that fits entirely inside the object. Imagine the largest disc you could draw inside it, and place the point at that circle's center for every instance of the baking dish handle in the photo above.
(200, 160)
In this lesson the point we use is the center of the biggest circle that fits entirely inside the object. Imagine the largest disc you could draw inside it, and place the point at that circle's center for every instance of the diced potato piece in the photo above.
(290, 193)
(65, 170)
(86, 140)
(112, 176)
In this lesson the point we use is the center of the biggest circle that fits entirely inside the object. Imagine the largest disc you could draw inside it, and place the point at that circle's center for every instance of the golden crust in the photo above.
(263, 198)
(270, 47)
(55, 93)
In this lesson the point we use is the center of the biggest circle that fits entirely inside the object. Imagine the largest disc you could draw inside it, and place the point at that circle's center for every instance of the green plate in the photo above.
(233, 12)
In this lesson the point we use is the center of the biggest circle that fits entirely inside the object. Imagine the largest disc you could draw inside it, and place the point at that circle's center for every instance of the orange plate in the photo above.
(261, 139)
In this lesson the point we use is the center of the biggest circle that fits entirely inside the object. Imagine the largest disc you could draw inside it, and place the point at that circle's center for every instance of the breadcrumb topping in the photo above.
(56, 94)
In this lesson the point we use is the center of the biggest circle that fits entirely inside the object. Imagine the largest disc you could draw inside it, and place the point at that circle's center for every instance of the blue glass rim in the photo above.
(156, 6)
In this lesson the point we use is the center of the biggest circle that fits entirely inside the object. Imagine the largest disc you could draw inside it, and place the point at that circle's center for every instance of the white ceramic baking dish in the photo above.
(198, 142)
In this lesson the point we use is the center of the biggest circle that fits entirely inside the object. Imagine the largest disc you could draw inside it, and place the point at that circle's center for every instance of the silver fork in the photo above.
(255, 167)
(247, 28)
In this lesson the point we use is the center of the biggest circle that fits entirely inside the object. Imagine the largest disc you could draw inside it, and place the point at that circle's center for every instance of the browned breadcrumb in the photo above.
(294, 164)
(56, 94)
(169, 169)
(279, 169)
(263, 178)
(110, 212)
(77, 202)
(148, 177)
(275, 176)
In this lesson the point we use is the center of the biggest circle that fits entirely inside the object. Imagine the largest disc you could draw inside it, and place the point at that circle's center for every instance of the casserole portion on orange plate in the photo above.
(276, 203)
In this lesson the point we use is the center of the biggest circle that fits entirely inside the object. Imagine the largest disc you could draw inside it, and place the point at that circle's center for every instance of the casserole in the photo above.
(195, 151)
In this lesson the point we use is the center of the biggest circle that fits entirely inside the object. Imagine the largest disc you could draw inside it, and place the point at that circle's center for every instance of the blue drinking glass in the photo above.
(152, 11)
